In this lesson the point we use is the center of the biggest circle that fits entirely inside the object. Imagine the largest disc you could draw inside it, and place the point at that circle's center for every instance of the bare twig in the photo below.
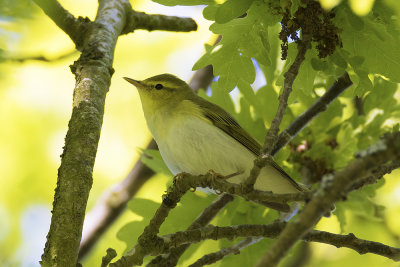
(22, 59)
(212, 181)
(219, 255)
(75, 28)
(341, 84)
(290, 76)
(142, 21)
(377, 174)
(330, 191)
(272, 134)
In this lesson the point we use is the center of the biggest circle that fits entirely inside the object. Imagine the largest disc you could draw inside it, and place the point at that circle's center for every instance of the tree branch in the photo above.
(331, 190)
(341, 84)
(142, 21)
(272, 134)
(219, 255)
(75, 28)
(182, 183)
(21, 59)
(205, 218)
(93, 73)
(377, 174)
(289, 76)
(162, 244)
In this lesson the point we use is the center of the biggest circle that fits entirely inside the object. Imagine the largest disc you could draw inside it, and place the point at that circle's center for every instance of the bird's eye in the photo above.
(159, 86)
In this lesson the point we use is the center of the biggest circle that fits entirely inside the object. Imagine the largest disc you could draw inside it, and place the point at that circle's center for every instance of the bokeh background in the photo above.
(36, 104)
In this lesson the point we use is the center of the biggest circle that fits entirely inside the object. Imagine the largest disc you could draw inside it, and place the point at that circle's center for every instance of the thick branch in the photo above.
(331, 190)
(142, 21)
(75, 28)
(93, 73)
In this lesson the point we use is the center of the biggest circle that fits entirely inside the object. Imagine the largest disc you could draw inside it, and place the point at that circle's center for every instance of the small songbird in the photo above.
(195, 136)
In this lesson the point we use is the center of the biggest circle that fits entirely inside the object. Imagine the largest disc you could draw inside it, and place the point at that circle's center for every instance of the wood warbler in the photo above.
(195, 136)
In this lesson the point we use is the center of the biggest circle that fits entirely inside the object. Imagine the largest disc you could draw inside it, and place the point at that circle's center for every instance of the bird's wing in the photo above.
(224, 121)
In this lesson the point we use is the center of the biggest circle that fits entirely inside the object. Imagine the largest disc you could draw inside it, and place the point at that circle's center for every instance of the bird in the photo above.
(195, 136)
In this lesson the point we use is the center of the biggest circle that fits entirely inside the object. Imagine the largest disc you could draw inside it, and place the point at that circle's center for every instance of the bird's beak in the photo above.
(136, 83)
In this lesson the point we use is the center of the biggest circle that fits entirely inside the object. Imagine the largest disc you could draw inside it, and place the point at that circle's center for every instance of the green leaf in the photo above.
(130, 232)
(230, 64)
(232, 9)
(347, 146)
(152, 158)
(306, 76)
(377, 43)
(295, 5)
(242, 40)
(210, 11)
(268, 99)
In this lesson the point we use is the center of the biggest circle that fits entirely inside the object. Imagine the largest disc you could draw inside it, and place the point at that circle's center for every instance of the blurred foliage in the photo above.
(35, 105)
(11, 9)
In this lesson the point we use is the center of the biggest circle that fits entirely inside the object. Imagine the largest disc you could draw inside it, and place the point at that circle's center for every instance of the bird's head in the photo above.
(161, 90)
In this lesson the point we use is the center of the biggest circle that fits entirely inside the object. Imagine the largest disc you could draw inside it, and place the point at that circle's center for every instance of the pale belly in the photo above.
(202, 147)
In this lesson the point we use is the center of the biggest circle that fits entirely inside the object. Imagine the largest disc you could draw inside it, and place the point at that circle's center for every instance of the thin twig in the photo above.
(377, 174)
(219, 255)
(21, 59)
(341, 84)
(142, 21)
(75, 28)
(331, 190)
(289, 76)
(272, 134)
